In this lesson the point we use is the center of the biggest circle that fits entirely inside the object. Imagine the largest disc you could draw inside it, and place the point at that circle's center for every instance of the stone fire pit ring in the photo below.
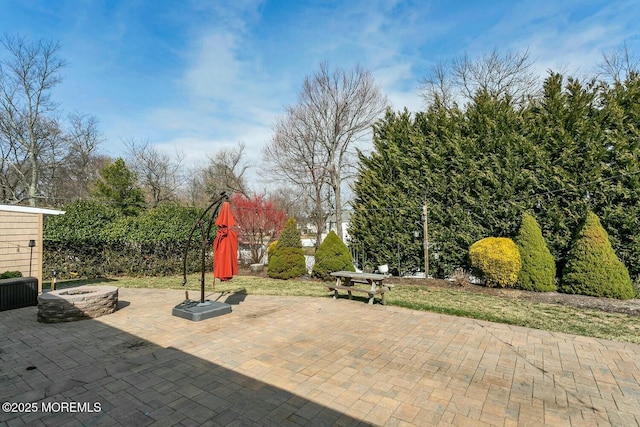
(83, 302)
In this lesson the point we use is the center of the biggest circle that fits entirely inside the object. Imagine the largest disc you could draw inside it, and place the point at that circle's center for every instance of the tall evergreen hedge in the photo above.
(538, 270)
(592, 267)
(479, 165)
(332, 255)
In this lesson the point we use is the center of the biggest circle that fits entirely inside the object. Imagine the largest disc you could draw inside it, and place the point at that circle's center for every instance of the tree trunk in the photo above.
(33, 185)
(338, 200)
(319, 220)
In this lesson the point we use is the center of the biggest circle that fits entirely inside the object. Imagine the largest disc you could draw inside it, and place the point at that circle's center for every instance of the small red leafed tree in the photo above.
(259, 222)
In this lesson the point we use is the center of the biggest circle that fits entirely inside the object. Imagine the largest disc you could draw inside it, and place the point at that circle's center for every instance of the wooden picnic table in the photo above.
(345, 280)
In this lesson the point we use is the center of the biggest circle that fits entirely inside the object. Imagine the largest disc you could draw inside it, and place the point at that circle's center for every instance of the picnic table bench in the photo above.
(345, 281)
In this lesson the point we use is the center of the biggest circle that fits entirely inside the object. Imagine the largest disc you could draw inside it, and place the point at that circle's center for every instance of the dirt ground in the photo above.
(611, 305)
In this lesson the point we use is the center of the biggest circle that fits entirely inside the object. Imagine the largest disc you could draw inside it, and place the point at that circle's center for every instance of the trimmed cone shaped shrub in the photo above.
(592, 266)
(332, 255)
(286, 259)
(498, 261)
(287, 263)
(290, 235)
(538, 270)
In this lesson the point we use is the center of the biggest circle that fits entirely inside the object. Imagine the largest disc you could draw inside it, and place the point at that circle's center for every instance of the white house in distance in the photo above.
(308, 232)
(309, 229)
(21, 239)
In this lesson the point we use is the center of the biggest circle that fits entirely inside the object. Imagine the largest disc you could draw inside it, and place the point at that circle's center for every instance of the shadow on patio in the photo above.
(135, 381)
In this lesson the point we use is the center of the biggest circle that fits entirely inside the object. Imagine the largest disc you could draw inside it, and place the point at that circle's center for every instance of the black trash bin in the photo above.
(18, 292)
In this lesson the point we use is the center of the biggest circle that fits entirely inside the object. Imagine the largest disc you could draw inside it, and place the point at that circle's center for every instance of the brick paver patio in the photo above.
(308, 361)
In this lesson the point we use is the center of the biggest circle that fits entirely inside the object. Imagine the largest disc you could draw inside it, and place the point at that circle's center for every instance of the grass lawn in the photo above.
(549, 317)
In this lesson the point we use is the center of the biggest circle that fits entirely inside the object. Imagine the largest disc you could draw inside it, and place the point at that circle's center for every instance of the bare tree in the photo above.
(27, 114)
(296, 156)
(74, 166)
(13, 168)
(51, 160)
(293, 201)
(225, 171)
(160, 176)
(437, 86)
(335, 111)
(84, 141)
(619, 64)
(506, 75)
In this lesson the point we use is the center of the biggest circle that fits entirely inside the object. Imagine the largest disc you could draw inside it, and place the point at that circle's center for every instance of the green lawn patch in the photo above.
(549, 317)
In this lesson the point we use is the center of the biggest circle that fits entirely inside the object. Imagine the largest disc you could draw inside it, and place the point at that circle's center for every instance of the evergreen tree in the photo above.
(592, 267)
(565, 122)
(538, 270)
(618, 204)
(462, 164)
(387, 206)
(332, 255)
(287, 260)
(572, 148)
(290, 235)
(118, 185)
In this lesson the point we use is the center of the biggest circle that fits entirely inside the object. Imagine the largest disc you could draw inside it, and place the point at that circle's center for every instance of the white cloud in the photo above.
(225, 101)
(215, 70)
(235, 86)
(562, 36)
(399, 84)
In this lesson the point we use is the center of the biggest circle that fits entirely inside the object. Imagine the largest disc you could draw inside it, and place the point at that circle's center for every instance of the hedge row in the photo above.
(592, 268)
(92, 239)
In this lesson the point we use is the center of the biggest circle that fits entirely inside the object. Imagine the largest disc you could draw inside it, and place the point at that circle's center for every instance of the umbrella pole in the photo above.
(202, 292)
(202, 277)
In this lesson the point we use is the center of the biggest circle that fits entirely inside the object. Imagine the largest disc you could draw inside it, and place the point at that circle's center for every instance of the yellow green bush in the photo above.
(272, 247)
(498, 261)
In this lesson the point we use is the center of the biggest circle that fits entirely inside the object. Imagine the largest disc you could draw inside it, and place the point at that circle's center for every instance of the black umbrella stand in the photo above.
(204, 309)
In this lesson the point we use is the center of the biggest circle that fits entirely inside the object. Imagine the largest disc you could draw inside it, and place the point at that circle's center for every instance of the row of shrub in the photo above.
(592, 266)
(286, 257)
(93, 239)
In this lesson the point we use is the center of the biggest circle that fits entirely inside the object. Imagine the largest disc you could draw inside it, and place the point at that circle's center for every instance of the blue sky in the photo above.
(203, 75)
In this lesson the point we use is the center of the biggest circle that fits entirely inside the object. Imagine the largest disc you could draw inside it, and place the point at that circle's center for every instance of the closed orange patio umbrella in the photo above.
(225, 245)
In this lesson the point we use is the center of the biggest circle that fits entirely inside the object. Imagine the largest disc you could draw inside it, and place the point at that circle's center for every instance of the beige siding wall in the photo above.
(16, 229)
